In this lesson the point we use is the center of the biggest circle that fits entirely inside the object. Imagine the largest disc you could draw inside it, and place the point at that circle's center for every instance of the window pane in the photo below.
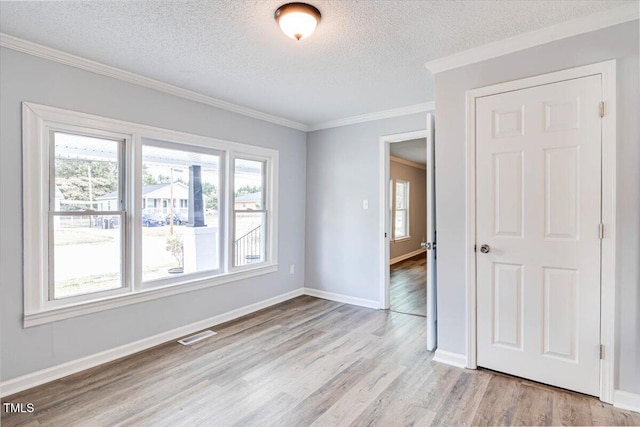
(250, 227)
(248, 182)
(401, 195)
(401, 224)
(180, 221)
(87, 254)
(86, 173)
(248, 246)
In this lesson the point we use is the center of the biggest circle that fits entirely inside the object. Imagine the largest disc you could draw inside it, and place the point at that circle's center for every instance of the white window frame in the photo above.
(38, 123)
(266, 208)
(48, 175)
(186, 277)
(407, 193)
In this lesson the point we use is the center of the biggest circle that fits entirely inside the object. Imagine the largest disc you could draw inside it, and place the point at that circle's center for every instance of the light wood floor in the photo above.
(408, 286)
(303, 362)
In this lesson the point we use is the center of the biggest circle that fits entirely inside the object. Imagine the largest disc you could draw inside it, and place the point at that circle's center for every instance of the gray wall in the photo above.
(619, 42)
(27, 78)
(417, 208)
(342, 239)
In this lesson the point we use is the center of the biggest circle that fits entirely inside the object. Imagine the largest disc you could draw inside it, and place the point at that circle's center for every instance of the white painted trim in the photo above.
(36, 118)
(607, 70)
(369, 117)
(347, 299)
(470, 227)
(65, 58)
(453, 359)
(25, 382)
(608, 248)
(408, 163)
(383, 185)
(407, 256)
(626, 400)
(539, 37)
(55, 55)
(121, 300)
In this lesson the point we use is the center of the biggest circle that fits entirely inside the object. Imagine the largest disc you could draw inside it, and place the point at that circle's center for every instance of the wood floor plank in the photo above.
(534, 406)
(570, 409)
(463, 400)
(498, 402)
(360, 396)
(306, 361)
(311, 408)
(408, 286)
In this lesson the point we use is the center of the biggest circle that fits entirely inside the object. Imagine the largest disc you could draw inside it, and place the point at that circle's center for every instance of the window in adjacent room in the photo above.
(401, 210)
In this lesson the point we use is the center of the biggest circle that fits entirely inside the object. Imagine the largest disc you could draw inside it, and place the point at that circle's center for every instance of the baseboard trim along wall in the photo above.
(626, 400)
(407, 256)
(43, 376)
(453, 359)
(342, 298)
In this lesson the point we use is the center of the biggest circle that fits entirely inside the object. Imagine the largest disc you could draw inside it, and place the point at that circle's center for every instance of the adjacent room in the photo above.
(331, 213)
(408, 201)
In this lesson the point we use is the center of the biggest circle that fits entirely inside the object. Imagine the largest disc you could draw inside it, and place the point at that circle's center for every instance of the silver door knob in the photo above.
(485, 249)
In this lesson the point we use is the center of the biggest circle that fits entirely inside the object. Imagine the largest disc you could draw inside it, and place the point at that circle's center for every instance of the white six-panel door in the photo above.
(538, 202)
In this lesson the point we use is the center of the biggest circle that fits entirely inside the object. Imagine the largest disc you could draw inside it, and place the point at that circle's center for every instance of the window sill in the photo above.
(80, 309)
(402, 239)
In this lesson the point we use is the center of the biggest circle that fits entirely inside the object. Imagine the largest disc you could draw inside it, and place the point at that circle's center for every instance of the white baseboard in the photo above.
(626, 400)
(453, 359)
(43, 376)
(407, 256)
(342, 298)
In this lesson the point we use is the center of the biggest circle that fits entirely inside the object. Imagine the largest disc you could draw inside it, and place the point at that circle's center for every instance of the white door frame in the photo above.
(607, 71)
(385, 219)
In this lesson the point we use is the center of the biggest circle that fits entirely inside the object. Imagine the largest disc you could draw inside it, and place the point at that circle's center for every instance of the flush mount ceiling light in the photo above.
(297, 20)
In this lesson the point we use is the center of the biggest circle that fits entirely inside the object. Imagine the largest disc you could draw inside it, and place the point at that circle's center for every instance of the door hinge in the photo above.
(601, 231)
(601, 351)
(475, 248)
(601, 108)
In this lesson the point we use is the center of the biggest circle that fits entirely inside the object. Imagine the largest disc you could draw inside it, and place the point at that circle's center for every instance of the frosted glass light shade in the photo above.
(297, 20)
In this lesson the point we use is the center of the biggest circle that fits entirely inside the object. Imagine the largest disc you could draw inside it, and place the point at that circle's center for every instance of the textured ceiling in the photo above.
(365, 56)
(413, 149)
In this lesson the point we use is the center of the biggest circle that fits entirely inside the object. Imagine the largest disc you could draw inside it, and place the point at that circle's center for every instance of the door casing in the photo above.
(607, 71)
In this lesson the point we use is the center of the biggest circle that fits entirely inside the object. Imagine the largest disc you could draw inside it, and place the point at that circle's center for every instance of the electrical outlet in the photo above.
(292, 268)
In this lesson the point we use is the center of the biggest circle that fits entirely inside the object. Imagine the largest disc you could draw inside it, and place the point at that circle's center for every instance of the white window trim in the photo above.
(270, 182)
(136, 201)
(36, 119)
(407, 196)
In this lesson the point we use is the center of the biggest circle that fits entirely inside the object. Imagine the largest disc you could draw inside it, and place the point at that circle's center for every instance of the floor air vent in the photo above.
(197, 337)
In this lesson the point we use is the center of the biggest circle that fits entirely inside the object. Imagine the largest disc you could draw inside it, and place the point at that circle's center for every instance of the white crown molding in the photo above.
(395, 112)
(61, 57)
(408, 163)
(542, 36)
(55, 55)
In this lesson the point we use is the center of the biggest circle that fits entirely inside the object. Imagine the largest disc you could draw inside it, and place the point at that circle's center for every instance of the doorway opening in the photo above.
(408, 231)
(407, 190)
